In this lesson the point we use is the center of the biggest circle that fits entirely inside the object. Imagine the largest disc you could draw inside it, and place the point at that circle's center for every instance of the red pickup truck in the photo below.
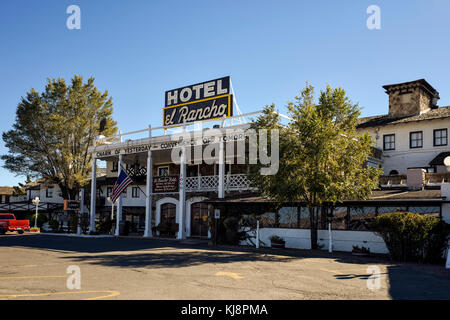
(8, 222)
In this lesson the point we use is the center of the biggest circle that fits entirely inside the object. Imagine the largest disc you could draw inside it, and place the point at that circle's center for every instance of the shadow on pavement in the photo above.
(422, 282)
(174, 259)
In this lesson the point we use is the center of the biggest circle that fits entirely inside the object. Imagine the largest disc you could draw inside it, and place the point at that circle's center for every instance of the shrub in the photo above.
(275, 238)
(54, 225)
(40, 220)
(412, 236)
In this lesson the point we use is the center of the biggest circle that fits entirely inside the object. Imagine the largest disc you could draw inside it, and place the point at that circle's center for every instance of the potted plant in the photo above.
(363, 251)
(277, 241)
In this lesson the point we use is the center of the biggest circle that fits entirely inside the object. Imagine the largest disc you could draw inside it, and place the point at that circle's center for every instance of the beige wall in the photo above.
(403, 156)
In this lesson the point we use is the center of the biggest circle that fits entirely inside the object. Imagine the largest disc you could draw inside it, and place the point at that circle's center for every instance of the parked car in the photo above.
(12, 224)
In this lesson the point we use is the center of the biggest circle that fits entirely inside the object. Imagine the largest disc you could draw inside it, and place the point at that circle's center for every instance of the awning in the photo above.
(439, 159)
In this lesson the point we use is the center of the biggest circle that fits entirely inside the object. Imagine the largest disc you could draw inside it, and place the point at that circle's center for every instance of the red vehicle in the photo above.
(8, 222)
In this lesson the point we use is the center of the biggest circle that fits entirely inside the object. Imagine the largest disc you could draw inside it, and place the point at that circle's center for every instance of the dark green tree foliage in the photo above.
(322, 157)
(412, 237)
(53, 131)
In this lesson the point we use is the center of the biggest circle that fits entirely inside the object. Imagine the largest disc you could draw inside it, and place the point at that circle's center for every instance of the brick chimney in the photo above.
(411, 98)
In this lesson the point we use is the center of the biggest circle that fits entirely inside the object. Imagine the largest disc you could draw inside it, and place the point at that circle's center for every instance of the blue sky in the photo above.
(139, 49)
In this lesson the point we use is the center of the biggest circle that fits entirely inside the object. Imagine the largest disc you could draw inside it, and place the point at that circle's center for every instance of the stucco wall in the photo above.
(403, 156)
(342, 240)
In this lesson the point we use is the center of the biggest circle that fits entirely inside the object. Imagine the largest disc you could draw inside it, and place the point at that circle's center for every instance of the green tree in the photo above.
(322, 157)
(53, 131)
(20, 190)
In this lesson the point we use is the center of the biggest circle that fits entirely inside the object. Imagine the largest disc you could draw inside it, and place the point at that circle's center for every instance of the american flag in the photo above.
(123, 181)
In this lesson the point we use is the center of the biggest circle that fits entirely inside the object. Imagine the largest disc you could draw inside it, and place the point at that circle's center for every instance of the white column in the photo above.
(221, 193)
(182, 198)
(81, 210)
(93, 195)
(148, 200)
(119, 202)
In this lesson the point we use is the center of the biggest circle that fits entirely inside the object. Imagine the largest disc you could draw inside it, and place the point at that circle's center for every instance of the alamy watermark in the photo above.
(74, 20)
(214, 146)
(373, 22)
(374, 280)
(73, 281)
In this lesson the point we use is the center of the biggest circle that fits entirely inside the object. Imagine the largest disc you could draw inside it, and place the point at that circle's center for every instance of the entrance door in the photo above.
(168, 219)
(199, 220)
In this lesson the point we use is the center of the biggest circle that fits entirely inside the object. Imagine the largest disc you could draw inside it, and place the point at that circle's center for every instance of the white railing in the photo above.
(233, 182)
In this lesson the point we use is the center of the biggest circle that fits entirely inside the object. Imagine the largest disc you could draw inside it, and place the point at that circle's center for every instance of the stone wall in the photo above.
(403, 102)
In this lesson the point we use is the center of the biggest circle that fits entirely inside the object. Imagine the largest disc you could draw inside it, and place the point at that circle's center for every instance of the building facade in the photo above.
(414, 133)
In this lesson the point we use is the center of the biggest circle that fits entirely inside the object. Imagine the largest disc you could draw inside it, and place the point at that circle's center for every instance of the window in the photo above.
(227, 168)
(135, 192)
(416, 139)
(163, 171)
(392, 172)
(124, 193)
(108, 191)
(389, 142)
(115, 166)
(49, 193)
(440, 137)
(192, 171)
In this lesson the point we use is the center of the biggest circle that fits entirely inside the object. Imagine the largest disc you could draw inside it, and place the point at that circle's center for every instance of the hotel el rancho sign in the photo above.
(199, 102)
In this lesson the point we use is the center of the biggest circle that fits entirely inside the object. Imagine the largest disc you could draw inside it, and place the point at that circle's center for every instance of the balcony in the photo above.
(429, 180)
(233, 182)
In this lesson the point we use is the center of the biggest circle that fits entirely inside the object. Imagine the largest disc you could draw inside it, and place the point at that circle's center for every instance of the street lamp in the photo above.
(36, 202)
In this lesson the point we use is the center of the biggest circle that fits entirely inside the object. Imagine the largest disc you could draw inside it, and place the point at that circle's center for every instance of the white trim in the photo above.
(188, 213)
(162, 201)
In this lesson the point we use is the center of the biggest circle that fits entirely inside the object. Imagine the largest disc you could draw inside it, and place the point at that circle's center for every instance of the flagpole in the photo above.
(112, 212)
(134, 182)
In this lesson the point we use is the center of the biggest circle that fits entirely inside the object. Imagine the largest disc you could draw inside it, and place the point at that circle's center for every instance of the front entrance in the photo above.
(168, 226)
(199, 220)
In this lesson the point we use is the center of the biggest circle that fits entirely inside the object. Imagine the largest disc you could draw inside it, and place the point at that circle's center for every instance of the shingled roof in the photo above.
(382, 120)
(6, 190)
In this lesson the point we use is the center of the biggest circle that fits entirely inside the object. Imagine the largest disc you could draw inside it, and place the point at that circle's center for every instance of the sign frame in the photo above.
(196, 105)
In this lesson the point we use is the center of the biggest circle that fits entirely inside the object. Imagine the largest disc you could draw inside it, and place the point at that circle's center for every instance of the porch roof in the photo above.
(378, 198)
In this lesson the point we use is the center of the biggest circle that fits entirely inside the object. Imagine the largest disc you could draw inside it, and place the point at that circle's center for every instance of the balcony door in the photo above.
(199, 220)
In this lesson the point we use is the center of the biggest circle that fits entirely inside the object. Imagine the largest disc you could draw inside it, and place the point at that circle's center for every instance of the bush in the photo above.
(40, 220)
(275, 238)
(412, 237)
(54, 225)
(104, 226)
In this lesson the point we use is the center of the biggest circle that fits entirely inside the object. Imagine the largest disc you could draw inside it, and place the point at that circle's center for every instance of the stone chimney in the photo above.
(411, 98)
(415, 179)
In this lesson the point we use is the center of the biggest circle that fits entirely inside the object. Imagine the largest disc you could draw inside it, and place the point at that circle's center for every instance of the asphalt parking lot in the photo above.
(34, 266)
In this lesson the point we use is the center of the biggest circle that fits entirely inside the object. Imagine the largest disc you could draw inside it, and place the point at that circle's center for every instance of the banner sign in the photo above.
(166, 184)
(71, 205)
(198, 102)
(236, 135)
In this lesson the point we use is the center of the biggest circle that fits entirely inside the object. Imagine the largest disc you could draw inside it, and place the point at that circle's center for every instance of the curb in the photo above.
(76, 235)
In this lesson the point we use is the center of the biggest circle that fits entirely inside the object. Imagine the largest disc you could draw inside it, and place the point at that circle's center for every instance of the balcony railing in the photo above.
(400, 180)
(233, 182)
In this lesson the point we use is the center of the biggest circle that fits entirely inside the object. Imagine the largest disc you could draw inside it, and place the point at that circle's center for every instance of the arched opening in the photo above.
(168, 225)
(392, 172)
(199, 220)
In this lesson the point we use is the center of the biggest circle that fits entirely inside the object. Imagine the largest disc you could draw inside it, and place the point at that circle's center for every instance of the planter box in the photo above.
(277, 244)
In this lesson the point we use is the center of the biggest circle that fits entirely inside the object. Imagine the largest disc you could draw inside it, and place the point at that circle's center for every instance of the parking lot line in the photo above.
(109, 294)
(32, 277)
(230, 274)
